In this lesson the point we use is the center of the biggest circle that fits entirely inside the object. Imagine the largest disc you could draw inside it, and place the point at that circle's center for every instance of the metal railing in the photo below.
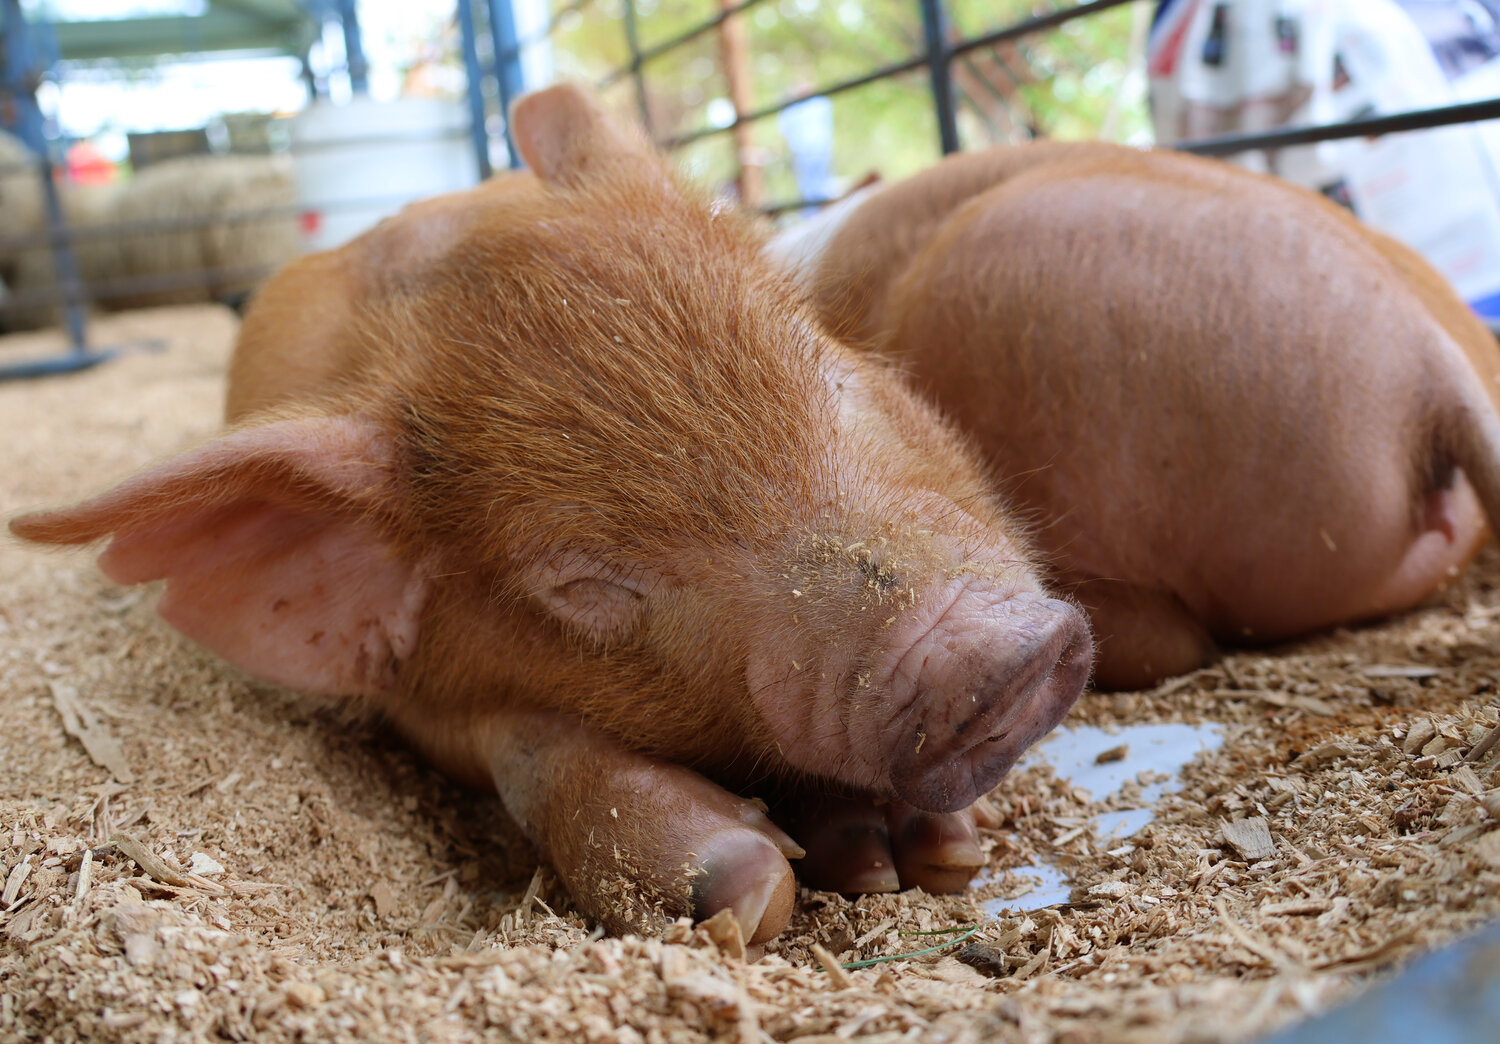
(492, 52)
(938, 53)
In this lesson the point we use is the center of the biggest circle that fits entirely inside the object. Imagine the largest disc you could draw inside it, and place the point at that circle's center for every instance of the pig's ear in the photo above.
(566, 138)
(270, 547)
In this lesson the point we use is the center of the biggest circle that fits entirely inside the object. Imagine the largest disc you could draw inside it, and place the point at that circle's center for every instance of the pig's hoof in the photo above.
(848, 846)
(855, 846)
(934, 852)
(746, 873)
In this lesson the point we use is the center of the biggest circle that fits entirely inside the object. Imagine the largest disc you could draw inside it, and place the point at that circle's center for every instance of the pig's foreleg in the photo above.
(638, 841)
(1141, 635)
(858, 845)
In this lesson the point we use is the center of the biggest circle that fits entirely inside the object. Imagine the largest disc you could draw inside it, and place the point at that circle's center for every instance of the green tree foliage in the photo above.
(1080, 81)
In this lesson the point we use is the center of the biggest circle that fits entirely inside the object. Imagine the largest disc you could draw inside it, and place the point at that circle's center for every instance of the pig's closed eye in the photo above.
(601, 600)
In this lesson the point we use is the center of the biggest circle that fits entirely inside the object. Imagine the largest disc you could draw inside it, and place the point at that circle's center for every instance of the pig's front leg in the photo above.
(857, 844)
(637, 840)
(1143, 635)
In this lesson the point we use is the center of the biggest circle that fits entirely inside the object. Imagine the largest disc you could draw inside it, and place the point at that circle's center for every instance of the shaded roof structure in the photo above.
(284, 26)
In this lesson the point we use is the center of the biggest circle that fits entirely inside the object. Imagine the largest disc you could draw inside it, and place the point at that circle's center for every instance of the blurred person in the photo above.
(1227, 66)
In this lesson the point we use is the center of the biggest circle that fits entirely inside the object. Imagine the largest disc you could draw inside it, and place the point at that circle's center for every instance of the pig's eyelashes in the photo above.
(602, 601)
(603, 609)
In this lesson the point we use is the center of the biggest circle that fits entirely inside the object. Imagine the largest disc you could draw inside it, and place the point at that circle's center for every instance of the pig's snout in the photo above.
(988, 681)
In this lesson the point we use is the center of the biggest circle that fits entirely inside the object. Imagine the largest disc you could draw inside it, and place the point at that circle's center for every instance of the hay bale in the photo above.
(211, 209)
(207, 237)
(35, 299)
(20, 212)
(20, 191)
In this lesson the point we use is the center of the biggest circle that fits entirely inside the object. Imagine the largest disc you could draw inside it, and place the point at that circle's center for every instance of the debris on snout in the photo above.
(1250, 837)
(1104, 757)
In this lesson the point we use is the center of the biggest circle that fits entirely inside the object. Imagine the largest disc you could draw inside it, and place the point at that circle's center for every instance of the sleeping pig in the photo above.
(1237, 414)
(557, 477)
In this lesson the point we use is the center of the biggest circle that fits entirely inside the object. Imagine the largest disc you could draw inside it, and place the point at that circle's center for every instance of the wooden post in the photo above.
(734, 42)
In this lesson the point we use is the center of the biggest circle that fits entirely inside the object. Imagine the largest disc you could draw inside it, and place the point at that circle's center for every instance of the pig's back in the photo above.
(891, 224)
(1195, 376)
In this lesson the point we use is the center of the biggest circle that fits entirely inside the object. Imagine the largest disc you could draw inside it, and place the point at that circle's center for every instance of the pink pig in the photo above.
(1238, 414)
(559, 478)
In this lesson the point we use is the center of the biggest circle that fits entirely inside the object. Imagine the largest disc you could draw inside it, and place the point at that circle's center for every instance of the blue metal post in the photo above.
(27, 57)
(354, 48)
(507, 66)
(476, 87)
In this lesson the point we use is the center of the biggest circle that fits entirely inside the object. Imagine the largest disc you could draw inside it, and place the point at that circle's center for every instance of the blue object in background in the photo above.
(808, 130)
(1451, 996)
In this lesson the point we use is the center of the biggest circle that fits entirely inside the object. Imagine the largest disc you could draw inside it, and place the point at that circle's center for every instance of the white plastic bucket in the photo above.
(364, 160)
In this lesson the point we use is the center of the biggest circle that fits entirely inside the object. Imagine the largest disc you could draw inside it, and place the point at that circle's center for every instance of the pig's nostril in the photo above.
(1028, 690)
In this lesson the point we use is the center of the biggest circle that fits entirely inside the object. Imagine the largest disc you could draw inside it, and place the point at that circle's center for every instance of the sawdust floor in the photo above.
(363, 896)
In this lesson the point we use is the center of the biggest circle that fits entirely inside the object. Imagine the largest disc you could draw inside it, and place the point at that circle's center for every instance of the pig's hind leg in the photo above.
(857, 845)
(638, 841)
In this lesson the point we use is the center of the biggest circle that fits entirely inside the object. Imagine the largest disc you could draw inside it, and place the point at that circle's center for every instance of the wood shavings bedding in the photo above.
(1347, 823)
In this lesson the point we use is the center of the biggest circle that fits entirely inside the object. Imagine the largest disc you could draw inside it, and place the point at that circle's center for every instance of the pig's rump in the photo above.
(1233, 412)
(1139, 382)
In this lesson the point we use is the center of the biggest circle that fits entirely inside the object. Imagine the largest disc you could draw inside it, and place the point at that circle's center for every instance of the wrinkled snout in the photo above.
(988, 680)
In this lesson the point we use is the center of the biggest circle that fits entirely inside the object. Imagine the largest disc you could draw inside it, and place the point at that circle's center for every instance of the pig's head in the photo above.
(598, 460)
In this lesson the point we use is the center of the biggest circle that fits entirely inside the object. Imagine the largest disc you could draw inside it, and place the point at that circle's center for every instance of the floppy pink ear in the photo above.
(270, 550)
(566, 138)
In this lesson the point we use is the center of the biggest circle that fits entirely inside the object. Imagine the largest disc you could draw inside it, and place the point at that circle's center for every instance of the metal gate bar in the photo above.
(1370, 126)
(938, 54)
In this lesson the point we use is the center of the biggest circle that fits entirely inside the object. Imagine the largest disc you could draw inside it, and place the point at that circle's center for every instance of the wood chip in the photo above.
(1297, 908)
(523, 909)
(153, 865)
(1256, 946)
(1399, 670)
(875, 933)
(1326, 752)
(1418, 735)
(80, 722)
(1251, 838)
(203, 865)
(304, 994)
(384, 898)
(1369, 957)
(1119, 753)
(836, 973)
(1485, 745)
(85, 871)
(725, 931)
(13, 883)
